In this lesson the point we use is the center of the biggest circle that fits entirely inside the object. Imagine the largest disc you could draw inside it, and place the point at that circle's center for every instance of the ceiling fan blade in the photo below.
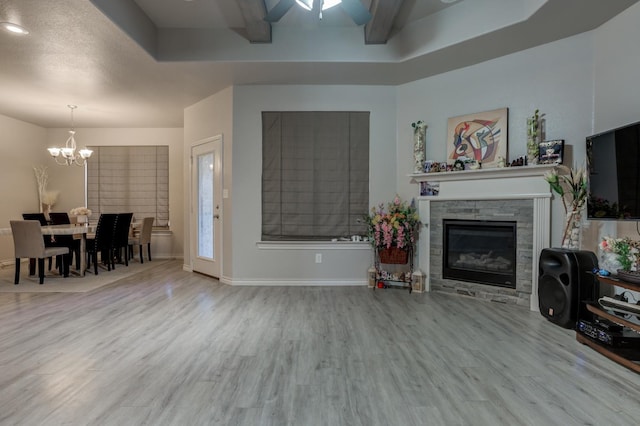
(357, 11)
(279, 10)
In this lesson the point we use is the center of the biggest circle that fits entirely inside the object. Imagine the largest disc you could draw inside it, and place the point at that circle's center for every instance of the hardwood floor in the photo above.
(168, 347)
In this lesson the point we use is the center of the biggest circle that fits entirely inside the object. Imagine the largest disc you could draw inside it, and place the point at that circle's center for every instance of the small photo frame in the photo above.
(551, 152)
(429, 189)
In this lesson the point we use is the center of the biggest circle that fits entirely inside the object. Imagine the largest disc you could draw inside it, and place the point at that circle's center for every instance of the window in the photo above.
(129, 179)
(315, 174)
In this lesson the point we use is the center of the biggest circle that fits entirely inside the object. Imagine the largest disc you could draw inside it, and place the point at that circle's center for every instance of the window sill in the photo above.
(313, 245)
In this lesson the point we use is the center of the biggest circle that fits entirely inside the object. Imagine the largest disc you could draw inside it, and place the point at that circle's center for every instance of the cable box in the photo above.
(612, 336)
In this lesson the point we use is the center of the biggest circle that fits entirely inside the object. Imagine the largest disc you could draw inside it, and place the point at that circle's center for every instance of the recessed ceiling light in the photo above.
(448, 1)
(14, 28)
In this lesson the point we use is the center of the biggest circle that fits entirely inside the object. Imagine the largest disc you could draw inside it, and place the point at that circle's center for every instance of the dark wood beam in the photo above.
(384, 13)
(253, 12)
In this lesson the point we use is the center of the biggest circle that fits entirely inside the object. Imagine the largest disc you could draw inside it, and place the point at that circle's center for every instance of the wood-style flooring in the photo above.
(168, 347)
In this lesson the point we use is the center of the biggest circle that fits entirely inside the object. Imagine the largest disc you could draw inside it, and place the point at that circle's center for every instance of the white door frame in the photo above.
(215, 267)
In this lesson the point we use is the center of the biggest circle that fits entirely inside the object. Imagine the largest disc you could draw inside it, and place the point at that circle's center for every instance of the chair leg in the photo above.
(32, 266)
(149, 251)
(41, 269)
(16, 281)
(66, 260)
(141, 257)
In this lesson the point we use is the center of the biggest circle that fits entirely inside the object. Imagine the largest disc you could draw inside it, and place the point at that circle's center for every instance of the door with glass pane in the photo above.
(206, 206)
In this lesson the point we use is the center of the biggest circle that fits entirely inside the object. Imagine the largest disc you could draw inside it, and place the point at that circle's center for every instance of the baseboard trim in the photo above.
(295, 283)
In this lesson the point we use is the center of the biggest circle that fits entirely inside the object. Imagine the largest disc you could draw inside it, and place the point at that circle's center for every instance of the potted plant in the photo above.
(393, 230)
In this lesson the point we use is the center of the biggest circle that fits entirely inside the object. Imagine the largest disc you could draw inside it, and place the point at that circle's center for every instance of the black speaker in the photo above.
(564, 280)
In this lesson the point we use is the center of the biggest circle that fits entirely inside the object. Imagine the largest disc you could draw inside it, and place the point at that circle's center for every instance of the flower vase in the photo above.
(82, 219)
(419, 145)
(571, 233)
(533, 138)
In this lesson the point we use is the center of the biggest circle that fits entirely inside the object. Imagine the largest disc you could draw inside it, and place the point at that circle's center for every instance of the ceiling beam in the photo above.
(383, 15)
(253, 12)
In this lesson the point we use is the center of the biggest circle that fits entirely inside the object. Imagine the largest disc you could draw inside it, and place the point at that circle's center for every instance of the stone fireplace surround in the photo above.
(514, 193)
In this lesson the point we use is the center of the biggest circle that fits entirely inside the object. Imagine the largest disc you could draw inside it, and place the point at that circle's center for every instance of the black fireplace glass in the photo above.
(480, 251)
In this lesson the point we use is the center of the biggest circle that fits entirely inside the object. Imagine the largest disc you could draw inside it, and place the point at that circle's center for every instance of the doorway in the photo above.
(206, 206)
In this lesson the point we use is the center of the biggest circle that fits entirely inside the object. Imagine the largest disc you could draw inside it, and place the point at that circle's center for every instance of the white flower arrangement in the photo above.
(80, 211)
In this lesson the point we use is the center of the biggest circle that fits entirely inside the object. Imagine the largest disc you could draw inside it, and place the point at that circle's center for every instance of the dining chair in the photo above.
(62, 218)
(48, 241)
(121, 237)
(143, 237)
(28, 243)
(102, 242)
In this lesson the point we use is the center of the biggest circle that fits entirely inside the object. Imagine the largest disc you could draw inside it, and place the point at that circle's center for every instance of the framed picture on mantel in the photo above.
(481, 137)
(551, 152)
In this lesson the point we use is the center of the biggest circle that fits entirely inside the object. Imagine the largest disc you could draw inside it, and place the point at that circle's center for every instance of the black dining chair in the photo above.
(62, 218)
(121, 237)
(102, 242)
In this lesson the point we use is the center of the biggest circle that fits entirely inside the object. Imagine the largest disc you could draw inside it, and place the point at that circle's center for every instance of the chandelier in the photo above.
(67, 155)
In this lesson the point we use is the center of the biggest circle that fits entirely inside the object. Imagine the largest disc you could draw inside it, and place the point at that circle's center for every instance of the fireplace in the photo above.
(480, 251)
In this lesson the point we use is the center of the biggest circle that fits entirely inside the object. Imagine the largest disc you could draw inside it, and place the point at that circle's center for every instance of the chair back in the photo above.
(27, 238)
(145, 231)
(59, 218)
(40, 217)
(105, 231)
(121, 229)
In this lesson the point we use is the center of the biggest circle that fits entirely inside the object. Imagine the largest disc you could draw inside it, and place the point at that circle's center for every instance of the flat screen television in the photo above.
(613, 163)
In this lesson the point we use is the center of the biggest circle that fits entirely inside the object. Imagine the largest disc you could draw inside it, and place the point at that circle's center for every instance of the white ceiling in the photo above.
(139, 63)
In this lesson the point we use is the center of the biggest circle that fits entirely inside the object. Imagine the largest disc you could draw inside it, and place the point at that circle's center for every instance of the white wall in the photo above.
(211, 117)
(555, 78)
(253, 265)
(70, 180)
(21, 148)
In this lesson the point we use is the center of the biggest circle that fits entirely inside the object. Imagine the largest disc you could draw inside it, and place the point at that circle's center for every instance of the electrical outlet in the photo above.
(318, 257)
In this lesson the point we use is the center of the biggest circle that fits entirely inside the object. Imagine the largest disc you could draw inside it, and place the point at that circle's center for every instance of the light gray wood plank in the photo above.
(169, 347)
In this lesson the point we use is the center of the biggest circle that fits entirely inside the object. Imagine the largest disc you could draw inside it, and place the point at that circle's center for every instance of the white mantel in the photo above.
(524, 182)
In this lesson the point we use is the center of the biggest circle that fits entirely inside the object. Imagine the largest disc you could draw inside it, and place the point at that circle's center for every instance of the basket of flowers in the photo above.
(393, 230)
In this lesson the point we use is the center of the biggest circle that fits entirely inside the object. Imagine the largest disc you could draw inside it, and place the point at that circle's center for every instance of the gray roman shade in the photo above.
(315, 174)
(129, 179)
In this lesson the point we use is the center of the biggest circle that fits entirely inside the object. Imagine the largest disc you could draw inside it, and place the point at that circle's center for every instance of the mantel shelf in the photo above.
(495, 173)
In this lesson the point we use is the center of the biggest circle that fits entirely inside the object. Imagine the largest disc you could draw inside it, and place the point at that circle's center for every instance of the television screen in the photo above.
(613, 160)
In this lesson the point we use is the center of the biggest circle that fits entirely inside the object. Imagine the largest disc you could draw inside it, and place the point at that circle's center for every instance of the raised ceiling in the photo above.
(139, 63)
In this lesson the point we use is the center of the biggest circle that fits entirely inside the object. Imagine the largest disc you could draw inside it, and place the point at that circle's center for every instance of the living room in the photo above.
(584, 84)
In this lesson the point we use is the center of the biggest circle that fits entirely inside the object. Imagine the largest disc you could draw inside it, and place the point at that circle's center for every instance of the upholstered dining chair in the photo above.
(142, 238)
(28, 243)
(121, 236)
(48, 242)
(102, 242)
(62, 218)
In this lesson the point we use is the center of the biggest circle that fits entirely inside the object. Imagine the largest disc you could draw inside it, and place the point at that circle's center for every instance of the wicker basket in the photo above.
(393, 255)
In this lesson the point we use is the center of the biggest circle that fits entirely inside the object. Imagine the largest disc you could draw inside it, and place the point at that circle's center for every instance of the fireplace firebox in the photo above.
(480, 251)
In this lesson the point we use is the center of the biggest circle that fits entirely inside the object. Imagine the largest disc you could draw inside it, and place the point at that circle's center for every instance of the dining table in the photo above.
(77, 230)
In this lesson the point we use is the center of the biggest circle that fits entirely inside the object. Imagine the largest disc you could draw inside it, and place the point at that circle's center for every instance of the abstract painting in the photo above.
(478, 137)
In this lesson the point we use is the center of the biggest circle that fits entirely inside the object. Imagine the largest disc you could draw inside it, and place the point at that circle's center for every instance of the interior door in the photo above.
(206, 206)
